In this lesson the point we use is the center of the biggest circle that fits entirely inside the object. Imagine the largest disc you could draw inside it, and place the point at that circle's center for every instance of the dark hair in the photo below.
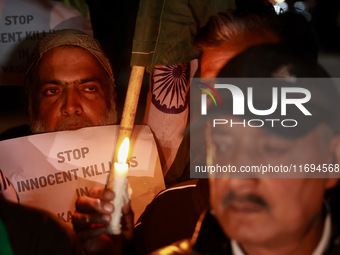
(267, 59)
(225, 26)
(292, 29)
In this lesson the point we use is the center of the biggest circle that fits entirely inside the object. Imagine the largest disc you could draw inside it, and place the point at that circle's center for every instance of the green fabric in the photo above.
(165, 30)
(5, 245)
(80, 5)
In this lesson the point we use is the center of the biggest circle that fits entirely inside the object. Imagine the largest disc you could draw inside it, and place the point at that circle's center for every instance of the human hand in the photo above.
(93, 215)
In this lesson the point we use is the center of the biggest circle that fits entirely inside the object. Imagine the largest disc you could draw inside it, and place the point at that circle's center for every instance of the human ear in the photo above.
(330, 183)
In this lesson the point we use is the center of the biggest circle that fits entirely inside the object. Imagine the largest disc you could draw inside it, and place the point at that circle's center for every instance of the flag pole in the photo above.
(117, 179)
(128, 115)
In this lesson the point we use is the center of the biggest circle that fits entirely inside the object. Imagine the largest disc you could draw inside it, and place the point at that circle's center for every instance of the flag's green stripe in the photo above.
(5, 245)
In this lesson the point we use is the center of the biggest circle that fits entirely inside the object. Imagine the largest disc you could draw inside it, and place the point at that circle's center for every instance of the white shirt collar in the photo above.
(322, 245)
(326, 236)
(235, 248)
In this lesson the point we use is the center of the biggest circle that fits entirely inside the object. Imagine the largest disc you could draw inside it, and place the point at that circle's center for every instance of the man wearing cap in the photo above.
(70, 85)
(286, 213)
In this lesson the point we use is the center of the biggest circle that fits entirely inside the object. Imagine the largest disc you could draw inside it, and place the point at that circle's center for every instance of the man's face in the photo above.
(72, 91)
(262, 211)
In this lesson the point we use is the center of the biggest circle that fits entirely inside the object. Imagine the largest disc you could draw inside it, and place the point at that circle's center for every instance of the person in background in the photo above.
(224, 36)
(282, 215)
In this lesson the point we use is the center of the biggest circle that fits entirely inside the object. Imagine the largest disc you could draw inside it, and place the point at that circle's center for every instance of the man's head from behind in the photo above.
(285, 215)
(226, 34)
(70, 83)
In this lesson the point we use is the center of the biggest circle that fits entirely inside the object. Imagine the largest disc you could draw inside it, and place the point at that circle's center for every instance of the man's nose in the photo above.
(245, 154)
(71, 102)
(242, 185)
(246, 162)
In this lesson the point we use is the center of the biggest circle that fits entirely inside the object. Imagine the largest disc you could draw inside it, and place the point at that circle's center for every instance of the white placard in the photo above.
(23, 23)
(50, 171)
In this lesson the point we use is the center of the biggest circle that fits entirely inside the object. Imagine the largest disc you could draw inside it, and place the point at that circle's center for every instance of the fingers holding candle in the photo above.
(92, 216)
(99, 200)
(93, 210)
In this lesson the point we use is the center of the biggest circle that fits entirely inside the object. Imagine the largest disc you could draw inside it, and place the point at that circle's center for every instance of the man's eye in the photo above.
(50, 91)
(90, 89)
(224, 144)
(276, 148)
(222, 147)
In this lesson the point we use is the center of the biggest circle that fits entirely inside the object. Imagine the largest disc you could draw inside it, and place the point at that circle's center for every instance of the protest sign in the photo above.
(50, 171)
(23, 23)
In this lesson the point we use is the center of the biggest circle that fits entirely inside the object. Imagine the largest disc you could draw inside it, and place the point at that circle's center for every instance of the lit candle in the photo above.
(120, 187)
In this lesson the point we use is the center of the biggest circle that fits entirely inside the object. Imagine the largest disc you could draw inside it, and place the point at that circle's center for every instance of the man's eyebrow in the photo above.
(86, 80)
(62, 83)
(56, 82)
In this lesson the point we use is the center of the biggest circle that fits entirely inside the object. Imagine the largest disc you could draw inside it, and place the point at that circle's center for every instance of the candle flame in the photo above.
(123, 151)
